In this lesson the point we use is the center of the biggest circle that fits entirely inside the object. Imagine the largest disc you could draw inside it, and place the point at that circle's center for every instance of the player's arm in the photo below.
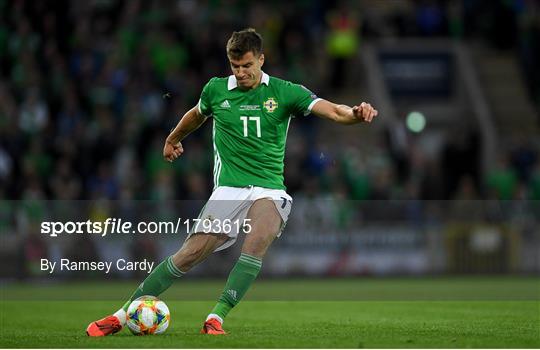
(343, 114)
(190, 122)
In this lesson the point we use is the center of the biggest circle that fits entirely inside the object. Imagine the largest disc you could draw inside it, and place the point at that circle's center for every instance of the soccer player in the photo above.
(251, 112)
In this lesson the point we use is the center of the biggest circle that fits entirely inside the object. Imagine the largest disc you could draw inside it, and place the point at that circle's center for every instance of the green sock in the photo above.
(242, 275)
(157, 282)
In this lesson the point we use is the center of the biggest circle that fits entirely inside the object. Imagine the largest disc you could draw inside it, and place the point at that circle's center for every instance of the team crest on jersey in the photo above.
(270, 105)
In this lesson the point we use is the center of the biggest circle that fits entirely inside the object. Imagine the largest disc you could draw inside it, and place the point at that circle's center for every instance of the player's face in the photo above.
(247, 70)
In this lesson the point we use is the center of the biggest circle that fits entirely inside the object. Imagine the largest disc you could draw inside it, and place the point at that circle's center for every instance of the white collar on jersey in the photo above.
(233, 84)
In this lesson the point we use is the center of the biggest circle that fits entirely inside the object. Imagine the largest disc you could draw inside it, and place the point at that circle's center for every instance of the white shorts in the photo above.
(226, 211)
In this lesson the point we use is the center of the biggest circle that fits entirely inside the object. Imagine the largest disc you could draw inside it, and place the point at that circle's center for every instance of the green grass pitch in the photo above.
(352, 313)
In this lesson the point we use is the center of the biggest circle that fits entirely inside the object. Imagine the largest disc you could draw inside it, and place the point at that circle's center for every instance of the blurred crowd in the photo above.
(90, 89)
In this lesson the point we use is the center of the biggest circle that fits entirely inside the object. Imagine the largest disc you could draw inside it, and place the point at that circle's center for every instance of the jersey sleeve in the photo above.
(205, 105)
(302, 100)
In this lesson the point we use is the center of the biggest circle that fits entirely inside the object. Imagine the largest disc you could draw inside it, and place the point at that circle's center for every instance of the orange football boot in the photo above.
(106, 326)
(212, 326)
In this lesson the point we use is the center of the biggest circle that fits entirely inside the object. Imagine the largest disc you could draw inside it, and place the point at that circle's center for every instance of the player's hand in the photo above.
(365, 112)
(171, 151)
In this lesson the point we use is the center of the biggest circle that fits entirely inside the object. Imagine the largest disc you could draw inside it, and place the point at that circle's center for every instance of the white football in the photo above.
(148, 315)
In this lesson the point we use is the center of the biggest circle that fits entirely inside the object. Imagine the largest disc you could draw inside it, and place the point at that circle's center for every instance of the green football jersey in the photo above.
(250, 128)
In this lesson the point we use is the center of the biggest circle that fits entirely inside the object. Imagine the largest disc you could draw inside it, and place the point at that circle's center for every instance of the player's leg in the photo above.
(266, 223)
(195, 249)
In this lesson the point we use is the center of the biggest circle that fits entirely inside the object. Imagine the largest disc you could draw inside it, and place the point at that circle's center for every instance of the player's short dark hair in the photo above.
(244, 41)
